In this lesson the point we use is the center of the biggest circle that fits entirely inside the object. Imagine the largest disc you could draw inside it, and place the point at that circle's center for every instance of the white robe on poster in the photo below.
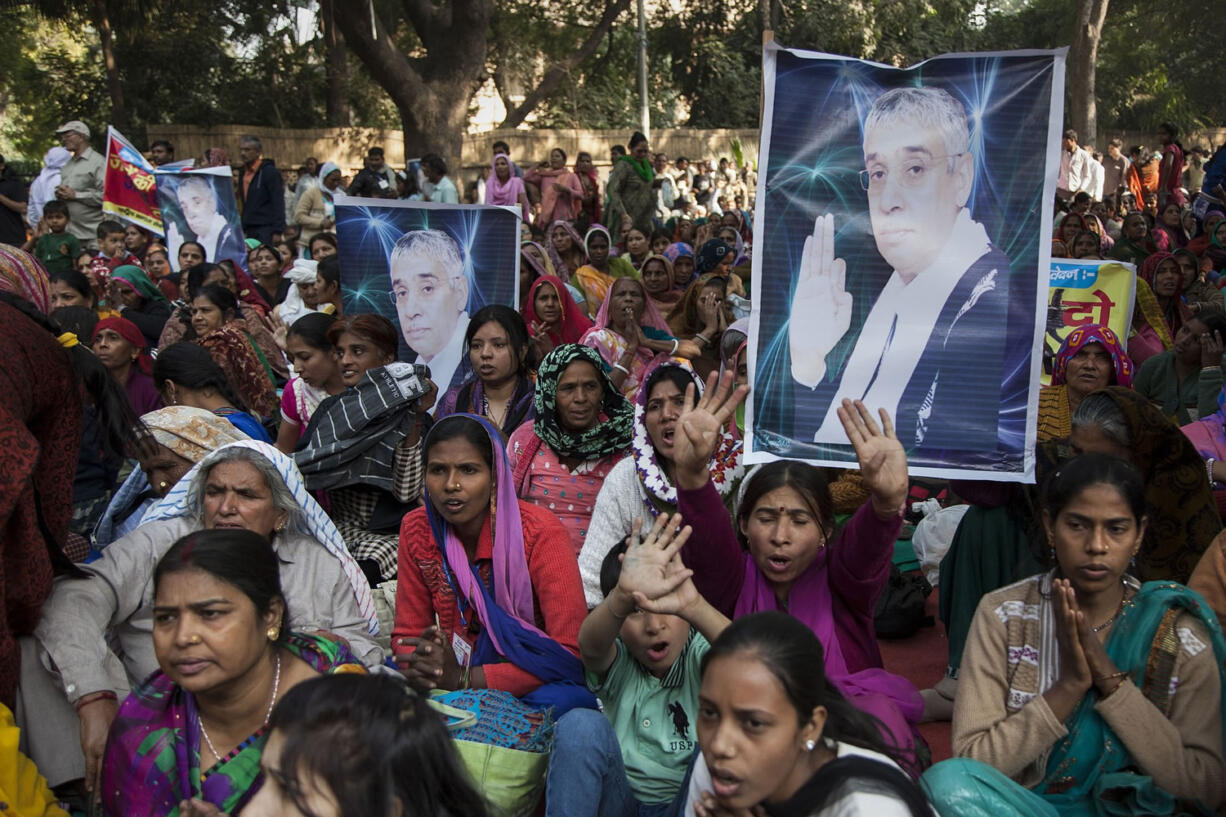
(898, 327)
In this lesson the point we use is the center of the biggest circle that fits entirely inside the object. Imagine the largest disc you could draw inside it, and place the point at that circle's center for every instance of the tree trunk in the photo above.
(431, 93)
(102, 22)
(339, 114)
(1082, 57)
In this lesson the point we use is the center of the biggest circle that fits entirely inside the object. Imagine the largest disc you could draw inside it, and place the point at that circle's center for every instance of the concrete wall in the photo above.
(347, 146)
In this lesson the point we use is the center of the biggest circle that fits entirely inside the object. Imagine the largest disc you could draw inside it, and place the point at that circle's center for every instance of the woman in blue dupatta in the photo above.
(1082, 691)
(488, 592)
(188, 740)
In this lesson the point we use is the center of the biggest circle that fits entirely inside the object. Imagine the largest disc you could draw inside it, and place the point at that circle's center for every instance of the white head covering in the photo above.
(303, 271)
(182, 502)
(327, 168)
(292, 308)
(42, 189)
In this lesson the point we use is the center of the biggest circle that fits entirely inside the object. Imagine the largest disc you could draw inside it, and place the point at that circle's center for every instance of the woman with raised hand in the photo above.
(1118, 697)
(644, 484)
(188, 740)
(794, 562)
(582, 428)
(248, 485)
(488, 593)
(500, 390)
(356, 746)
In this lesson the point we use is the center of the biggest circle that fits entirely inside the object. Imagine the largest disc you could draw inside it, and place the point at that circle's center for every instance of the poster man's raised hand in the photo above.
(821, 305)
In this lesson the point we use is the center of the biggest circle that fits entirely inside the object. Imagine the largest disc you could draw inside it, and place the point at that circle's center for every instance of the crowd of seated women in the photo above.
(234, 590)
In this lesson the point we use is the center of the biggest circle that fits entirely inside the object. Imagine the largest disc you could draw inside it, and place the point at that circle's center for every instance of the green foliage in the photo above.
(49, 72)
(1147, 72)
(251, 62)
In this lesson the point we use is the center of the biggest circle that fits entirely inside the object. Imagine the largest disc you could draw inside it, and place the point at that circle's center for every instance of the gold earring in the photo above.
(272, 633)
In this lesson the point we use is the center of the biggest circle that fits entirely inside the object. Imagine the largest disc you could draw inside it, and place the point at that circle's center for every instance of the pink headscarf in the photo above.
(651, 315)
(506, 194)
(512, 582)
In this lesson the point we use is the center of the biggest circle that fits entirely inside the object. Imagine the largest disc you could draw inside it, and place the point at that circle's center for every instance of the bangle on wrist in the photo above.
(1209, 469)
(621, 369)
(676, 343)
(1109, 676)
(706, 341)
(100, 695)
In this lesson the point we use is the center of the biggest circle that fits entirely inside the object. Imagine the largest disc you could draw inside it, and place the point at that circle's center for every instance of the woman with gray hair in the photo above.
(248, 485)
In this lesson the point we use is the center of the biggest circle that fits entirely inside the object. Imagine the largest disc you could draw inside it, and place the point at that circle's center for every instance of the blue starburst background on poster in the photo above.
(811, 158)
(367, 230)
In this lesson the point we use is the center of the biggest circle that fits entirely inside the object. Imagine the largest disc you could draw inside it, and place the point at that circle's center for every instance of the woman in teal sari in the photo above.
(1084, 692)
(188, 740)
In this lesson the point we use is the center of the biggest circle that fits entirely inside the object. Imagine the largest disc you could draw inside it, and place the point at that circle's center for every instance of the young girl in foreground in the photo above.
(778, 739)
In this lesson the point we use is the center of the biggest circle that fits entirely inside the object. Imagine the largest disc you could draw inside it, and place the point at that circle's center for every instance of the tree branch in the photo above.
(422, 16)
(557, 72)
(387, 64)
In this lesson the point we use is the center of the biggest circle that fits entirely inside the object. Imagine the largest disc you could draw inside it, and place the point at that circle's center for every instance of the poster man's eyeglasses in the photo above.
(912, 174)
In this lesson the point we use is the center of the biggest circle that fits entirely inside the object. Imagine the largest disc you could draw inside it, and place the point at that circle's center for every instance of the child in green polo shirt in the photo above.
(641, 648)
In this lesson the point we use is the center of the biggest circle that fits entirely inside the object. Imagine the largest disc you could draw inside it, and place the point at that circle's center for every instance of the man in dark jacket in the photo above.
(376, 180)
(260, 193)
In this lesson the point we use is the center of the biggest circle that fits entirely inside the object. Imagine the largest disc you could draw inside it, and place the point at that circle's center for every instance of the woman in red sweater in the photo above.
(488, 592)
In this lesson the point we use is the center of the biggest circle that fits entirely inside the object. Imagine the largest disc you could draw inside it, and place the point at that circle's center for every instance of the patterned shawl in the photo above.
(236, 354)
(725, 467)
(1183, 519)
(182, 501)
(1083, 336)
(610, 436)
(1144, 643)
(23, 275)
(152, 760)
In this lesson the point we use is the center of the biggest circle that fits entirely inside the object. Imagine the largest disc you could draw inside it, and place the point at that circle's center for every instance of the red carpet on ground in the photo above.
(922, 660)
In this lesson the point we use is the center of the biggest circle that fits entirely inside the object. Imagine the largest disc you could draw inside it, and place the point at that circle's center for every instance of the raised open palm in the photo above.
(821, 305)
(701, 424)
(651, 567)
(883, 461)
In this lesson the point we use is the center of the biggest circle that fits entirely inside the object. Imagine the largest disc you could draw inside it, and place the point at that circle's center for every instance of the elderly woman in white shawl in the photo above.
(246, 484)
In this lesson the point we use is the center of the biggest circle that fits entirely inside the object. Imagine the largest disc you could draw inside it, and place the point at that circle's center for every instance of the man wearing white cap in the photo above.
(301, 298)
(314, 211)
(81, 183)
